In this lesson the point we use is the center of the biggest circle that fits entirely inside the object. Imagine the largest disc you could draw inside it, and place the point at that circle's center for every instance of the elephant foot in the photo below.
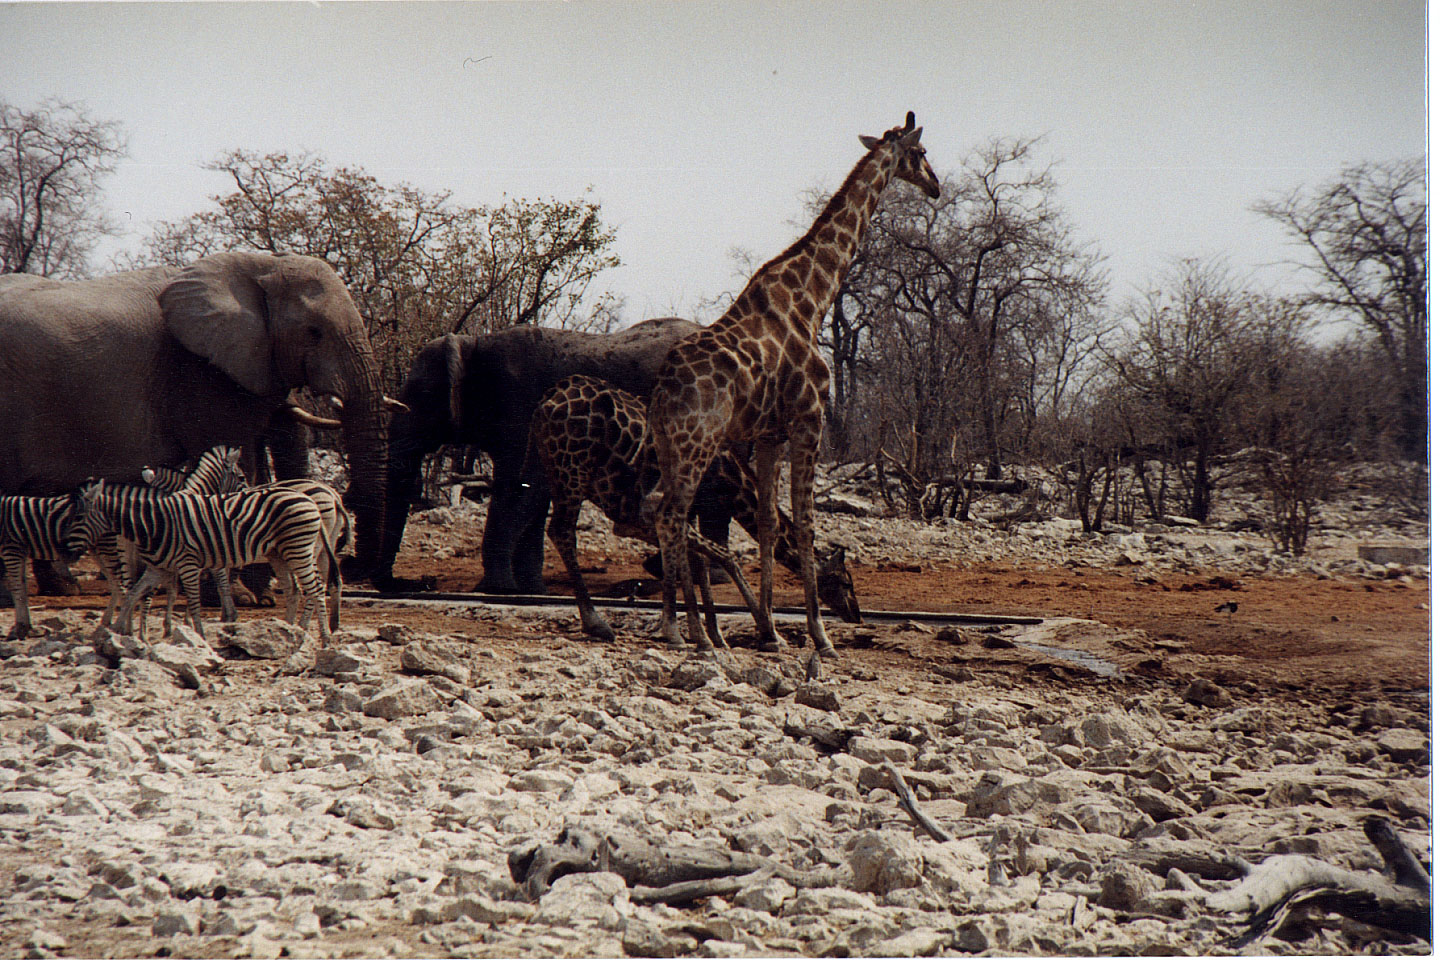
(603, 633)
(51, 580)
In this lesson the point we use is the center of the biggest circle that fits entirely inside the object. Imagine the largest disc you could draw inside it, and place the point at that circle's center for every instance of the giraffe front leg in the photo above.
(669, 557)
(700, 569)
(802, 505)
(563, 519)
(767, 457)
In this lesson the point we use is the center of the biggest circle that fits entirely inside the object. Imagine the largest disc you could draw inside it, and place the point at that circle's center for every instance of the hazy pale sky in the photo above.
(699, 125)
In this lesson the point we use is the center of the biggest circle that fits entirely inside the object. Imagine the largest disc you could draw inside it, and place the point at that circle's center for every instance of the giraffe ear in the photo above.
(912, 138)
(870, 142)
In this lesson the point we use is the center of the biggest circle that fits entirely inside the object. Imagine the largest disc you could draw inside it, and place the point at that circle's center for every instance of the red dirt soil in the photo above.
(1288, 632)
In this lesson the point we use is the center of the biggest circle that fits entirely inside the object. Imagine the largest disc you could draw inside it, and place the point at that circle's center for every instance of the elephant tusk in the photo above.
(310, 420)
(335, 401)
(396, 405)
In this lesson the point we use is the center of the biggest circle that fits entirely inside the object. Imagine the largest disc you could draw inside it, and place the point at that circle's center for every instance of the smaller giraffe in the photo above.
(590, 439)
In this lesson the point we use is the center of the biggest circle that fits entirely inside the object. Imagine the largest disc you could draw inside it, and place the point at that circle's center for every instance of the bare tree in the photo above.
(1365, 240)
(1188, 353)
(959, 309)
(52, 160)
(417, 264)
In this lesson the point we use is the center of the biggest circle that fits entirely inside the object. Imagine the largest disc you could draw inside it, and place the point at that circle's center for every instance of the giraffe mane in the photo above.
(832, 206)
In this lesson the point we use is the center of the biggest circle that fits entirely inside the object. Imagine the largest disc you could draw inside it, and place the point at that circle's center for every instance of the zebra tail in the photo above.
(335, 587)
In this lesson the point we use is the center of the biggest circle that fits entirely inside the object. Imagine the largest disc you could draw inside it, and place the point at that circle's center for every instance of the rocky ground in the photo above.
(257, 795)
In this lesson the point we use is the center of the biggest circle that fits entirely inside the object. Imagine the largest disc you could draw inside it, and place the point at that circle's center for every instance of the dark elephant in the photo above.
(152, 367)
(481, 391)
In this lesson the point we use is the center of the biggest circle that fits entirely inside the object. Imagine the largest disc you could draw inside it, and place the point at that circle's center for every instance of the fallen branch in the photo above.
(691, 890)
(907, 800)
(1279, 892)
(671, 874)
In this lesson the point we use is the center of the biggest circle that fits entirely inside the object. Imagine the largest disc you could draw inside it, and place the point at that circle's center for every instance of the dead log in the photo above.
(1281, 892)
(907, 800)
(661, 873)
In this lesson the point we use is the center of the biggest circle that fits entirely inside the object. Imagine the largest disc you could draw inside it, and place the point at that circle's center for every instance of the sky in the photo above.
(699, 126)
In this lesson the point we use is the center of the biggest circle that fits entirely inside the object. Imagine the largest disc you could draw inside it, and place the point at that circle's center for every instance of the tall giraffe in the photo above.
(756, 374)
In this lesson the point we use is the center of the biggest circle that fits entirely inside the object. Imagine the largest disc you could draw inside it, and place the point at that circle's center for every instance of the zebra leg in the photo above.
(221, 576)
(189, 575)
(19, 592)
(142, 587)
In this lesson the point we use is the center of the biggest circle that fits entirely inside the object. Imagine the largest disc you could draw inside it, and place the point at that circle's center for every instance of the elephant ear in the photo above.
(216, 307)
(455, 377)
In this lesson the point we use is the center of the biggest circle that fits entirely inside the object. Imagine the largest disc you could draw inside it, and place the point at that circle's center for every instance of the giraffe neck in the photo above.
(811, 270)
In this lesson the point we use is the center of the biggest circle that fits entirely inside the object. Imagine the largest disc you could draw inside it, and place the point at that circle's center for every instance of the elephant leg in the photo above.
(529, 560)
(54, 579)
(503, 524)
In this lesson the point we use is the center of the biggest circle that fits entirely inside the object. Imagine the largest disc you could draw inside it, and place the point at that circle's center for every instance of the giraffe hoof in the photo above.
(828, 652)
(776, 645)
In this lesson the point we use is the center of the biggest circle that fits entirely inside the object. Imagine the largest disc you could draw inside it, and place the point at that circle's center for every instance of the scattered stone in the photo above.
(404, 698)
(267, 639)
(435, 657)
(818, 696)
(1207, 693)
(1404, 745)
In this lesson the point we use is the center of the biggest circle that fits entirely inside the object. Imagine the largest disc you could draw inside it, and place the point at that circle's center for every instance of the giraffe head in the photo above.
(912, 165)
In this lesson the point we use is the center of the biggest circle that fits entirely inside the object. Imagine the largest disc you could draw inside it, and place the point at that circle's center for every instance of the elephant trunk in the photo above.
(364, 431)
(402, 485)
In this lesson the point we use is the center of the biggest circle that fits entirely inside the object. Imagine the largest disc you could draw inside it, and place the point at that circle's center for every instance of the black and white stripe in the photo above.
(39, 528)
(216, 471)
(184, 533)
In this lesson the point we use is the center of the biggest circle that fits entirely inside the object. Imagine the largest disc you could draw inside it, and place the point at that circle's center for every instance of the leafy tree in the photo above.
(416, 264)
(52, 160)
(1365, 239)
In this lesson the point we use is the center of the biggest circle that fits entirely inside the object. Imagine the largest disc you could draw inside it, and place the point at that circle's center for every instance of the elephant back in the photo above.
(631, 358)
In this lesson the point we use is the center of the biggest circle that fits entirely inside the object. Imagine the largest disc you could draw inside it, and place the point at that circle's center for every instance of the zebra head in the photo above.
(87, 523)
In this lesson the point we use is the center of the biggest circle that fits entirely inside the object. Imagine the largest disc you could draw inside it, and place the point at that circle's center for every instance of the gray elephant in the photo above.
(481, 391)
(106, 376)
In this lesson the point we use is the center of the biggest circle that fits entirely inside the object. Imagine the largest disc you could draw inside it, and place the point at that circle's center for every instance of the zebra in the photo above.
(35, 527)
(184, 533)
(336, 524)
(217, 471)
(336, 528)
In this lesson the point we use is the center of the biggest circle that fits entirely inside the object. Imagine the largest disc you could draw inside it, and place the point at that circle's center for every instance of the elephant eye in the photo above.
(314, 333)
